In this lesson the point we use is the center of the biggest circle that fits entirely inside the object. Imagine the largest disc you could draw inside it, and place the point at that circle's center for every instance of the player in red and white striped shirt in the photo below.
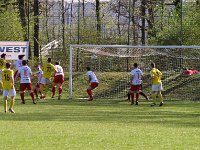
(58, 80)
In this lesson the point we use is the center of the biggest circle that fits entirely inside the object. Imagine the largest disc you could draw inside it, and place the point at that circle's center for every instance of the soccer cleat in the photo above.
(161, 104)
(136, 103)
(132, 103)
(59, 97)
(52, 96)
(128, 100)
(91, 99)
(5, 111)
(153, 104)
(147, 99)
(11, 110)
(34, 102)
(23, 102)
(42, 97)
(37, 98)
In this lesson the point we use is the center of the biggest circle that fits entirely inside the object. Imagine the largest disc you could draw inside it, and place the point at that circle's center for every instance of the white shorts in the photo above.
(10, 92)
(157, 87)
(44, 81)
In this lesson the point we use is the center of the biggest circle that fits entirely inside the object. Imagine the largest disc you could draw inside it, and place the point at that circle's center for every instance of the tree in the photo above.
(36, 28)
(143, 14)
(22, 12)
(11, 29)
(98, 15)
(173, 30)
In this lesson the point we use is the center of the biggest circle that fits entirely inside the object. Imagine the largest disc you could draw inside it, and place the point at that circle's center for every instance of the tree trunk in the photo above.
(143, 12)
(98, 15)
(46, 21)
(83, 12)
(22, 13)
(198, 2)
(63, 24)
(36, 28)
(118, 18)
(150, 20)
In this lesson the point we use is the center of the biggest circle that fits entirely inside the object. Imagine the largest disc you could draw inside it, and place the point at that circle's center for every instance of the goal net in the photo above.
(112, 65)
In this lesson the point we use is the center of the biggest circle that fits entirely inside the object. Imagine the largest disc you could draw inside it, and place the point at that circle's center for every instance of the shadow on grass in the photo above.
(176, 114)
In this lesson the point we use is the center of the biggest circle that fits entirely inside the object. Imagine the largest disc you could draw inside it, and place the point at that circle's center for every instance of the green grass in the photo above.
(101, 124)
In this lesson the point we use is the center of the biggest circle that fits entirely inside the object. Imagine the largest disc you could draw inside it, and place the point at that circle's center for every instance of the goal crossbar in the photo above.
(139, 46)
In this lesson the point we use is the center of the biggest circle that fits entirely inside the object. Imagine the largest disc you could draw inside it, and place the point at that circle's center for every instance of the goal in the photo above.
(112, 65)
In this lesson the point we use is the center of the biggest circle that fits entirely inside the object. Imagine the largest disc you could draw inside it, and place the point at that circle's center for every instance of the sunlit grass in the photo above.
(101, 124)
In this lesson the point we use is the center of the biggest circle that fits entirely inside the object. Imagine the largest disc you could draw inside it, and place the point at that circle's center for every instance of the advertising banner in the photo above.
(14, 48)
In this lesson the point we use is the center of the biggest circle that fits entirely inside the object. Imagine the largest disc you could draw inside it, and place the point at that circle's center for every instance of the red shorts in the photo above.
(93, 85)
(24, 86)
(135, 88)
(37, 85)
(58, 79)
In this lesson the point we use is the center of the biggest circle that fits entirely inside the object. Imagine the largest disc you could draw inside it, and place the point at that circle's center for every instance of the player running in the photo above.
(17, 64)
(93, 82)
(58, 80)
(8, 87)
(2, 66)
(25, 81)
(156, 76)
(48, 69)
(136, 81)
(38, 74)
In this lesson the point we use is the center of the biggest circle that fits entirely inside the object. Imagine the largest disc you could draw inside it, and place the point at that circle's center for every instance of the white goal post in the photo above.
(128, 51)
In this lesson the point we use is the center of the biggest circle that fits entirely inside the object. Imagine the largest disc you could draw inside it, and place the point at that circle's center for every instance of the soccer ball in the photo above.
(94, 56)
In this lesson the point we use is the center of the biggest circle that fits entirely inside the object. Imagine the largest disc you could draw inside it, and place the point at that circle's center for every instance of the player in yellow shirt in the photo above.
(156, 76)
(48, 69)
(2, 66)
(8, 87)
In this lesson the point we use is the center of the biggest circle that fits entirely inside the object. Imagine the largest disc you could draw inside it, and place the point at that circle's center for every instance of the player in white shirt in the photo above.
(25, 81)
(17, 64)
(93, 82)
(136, 81)
(38, 74)
(58, 80)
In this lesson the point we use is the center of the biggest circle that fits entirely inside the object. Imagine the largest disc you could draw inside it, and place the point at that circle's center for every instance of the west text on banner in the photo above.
(14, 48)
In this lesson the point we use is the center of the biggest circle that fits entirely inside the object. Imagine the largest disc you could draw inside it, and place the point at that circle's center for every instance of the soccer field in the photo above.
(100, 124)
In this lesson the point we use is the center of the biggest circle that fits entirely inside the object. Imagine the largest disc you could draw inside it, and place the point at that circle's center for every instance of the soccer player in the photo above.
(2, 65)
(93, 82)
(17, 64)
(136, 81)
(156, 76)
(189, 72)
(8, 87)
(39, 76)
(48, 69)
(25, 81)
(58, 80)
